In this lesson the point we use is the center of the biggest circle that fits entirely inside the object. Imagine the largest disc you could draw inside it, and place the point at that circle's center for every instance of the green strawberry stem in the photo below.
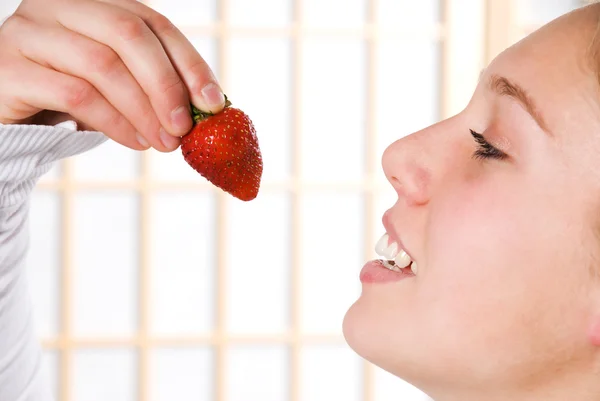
(199, 115)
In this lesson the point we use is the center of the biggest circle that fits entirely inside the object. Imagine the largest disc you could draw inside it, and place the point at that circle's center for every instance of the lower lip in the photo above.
(375, 272)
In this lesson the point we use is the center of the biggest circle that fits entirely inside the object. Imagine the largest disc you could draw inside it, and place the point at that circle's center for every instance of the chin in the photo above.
(351, 328)
(367, 332)
(364, 331)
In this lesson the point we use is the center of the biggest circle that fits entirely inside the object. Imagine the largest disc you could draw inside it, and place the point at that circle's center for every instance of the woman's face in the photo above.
(506, 235)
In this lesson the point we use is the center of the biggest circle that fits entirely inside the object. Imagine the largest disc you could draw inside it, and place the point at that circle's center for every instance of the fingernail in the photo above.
(181, 120)
(213, 96)
(169, 141)
(142, 141)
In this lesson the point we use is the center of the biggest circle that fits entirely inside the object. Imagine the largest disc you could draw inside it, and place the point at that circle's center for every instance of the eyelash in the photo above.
(485, 150)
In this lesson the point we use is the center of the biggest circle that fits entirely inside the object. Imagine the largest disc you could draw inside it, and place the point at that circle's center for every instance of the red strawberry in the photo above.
(224, 149)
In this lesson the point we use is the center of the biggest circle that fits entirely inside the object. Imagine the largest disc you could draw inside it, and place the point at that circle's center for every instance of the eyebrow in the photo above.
(503, 87)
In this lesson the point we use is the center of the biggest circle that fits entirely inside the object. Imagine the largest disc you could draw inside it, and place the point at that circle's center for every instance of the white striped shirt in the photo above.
(26, 153)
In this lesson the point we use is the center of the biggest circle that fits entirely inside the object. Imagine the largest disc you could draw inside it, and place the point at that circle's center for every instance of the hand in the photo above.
(114, 66)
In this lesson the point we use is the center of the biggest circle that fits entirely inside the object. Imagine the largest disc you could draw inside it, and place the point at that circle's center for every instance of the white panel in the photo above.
(331, 372)
(105, 256)
(262, 90)
(408, 14)
(187, 12)
(259, 265)
(43, 261)
(101, 375)
(539, 12)
(332, 257)
(207, 47)
(181, 374)
(108, 162)
(333, 109)
(172, 167)
(517, 36)
(390, 388)
(466, 53)
(182, 256)
(260, 13)
(50, 367)
(258, 373)
(407, 93)
(334, 13)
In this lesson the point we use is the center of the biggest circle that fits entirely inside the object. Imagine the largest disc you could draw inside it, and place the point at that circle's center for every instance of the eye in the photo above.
(485, 150)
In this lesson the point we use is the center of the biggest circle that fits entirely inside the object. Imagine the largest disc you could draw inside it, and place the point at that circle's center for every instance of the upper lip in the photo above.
(391, 231)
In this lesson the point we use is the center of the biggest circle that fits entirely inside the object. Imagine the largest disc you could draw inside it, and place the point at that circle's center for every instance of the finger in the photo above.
(82, 57)
(204, 90)
(47, 89)
(141, 52)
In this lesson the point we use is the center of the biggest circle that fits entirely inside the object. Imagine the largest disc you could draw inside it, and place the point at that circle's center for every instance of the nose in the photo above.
(406, 166)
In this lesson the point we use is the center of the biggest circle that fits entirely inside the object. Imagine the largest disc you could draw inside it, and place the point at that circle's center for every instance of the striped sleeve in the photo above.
(26, 153)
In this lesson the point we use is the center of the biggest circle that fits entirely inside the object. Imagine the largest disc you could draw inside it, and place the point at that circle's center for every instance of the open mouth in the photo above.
(394, 258)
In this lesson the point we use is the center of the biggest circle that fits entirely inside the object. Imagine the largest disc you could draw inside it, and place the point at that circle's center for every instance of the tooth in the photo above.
(390, 267)
(382, 244)
(391, 251)
(413, 267)
(385, 249)
(402, 260)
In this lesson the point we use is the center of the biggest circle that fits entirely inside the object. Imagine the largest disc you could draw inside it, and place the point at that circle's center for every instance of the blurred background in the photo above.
(151, 285)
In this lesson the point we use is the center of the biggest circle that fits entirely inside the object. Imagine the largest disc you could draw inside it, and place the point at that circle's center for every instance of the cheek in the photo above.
(494, 257)
(476, 234)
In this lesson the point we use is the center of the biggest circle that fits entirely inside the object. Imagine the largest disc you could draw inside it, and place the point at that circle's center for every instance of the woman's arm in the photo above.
(115, 66)
(26, 153)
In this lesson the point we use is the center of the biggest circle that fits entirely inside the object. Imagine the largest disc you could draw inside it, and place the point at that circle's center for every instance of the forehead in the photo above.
(553, 66)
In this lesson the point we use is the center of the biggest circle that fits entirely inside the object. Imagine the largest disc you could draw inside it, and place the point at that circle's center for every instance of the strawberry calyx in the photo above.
(199, 115)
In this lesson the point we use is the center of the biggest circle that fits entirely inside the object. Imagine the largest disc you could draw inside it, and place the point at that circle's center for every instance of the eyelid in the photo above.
(502, 143)
(486, 150)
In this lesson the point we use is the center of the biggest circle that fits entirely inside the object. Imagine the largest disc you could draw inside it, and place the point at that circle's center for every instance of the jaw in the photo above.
(427, 347)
